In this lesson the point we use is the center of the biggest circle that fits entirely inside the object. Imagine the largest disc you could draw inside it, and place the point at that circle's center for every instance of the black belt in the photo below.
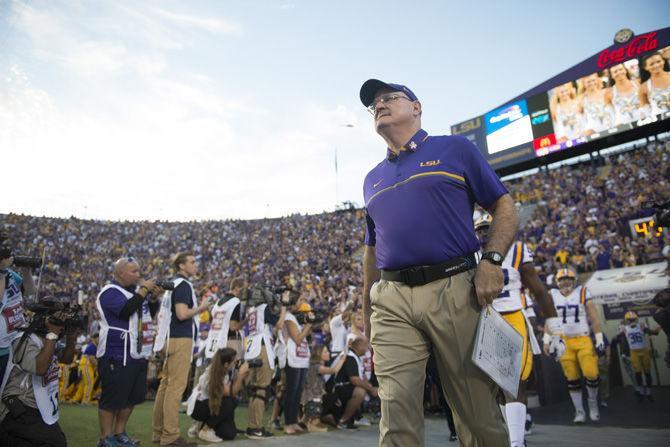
(418, 276)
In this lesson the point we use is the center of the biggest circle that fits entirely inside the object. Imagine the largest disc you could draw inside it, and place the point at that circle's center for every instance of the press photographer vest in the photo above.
(12, 317)
(218, 330)
(366, 359)
(165, 316)
(259, 334)
(45, 388)
(298, 355)
(361, 368)
(280, 350)
(140, 331)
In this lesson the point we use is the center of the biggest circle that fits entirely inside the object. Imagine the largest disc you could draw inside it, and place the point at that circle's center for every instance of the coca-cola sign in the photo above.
(637, 46)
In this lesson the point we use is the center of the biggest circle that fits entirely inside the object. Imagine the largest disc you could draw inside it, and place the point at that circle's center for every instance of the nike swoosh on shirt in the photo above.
(377, 184)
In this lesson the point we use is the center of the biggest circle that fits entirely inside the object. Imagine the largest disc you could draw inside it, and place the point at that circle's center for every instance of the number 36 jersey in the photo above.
(635, 335)
(572, 309)
(509, 299)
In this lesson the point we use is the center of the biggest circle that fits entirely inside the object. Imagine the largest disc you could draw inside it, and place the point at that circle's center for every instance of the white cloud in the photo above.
(214, 25)
(131, 135)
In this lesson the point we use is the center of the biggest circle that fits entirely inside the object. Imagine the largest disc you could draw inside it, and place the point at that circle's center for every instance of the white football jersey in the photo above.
(572, 309)
(635, 335)
(510, 299)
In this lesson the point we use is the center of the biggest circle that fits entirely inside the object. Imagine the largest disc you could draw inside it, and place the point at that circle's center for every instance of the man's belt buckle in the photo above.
(413, 276)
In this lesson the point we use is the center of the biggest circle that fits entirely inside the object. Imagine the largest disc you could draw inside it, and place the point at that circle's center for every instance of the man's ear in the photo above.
(417, 108)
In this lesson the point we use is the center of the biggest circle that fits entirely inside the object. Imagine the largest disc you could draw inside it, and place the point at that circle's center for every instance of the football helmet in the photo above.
(484, 220)
(566, 273)
(630, 316)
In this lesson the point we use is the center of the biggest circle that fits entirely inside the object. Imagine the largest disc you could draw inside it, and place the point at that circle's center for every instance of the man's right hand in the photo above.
(148, 284)
(55, 328)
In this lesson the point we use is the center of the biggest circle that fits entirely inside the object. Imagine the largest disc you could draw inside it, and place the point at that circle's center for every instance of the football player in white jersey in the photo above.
(519, 272)
(575, 307)
(640, 354)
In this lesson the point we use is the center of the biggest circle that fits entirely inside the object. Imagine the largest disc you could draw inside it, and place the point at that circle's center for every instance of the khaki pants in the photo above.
(259, 381)
(407, 322)
(236, 344)
(173, 383)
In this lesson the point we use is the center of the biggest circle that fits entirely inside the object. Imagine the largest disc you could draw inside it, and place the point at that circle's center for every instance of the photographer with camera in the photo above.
(13, 285)
(29, 405)
(297, 350)
(227, 321)
(177, 330)
(351, 383)
(261, 318)
(214, 398)
(125, 304)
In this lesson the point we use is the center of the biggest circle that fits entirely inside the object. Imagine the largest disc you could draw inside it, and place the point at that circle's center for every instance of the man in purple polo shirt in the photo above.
(125, 344)
(423, 284)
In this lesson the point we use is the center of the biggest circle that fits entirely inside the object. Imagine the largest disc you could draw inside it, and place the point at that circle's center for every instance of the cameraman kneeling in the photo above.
(29, 408)
(213, 400)
(351, 384)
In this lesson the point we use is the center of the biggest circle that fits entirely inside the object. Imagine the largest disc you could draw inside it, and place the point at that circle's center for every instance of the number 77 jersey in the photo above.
(572, 309)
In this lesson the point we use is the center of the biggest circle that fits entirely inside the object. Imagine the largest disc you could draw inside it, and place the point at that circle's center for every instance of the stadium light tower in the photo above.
(337, 199)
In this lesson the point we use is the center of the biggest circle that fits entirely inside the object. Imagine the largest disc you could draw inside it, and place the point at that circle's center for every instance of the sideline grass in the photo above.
(80, 423)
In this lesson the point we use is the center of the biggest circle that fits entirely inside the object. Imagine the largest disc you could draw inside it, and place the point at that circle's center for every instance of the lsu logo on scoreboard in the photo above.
(428, 164)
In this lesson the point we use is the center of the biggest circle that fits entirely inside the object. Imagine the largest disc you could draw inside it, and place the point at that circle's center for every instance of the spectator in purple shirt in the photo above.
(603, 258)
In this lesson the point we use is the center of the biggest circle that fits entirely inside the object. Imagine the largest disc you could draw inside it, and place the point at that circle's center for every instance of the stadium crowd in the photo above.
(582, 211)
(580, 218)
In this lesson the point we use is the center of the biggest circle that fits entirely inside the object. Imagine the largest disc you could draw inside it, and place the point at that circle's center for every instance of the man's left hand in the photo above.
(489, 282)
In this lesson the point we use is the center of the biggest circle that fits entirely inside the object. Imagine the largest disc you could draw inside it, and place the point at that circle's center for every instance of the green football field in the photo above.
(80, 423)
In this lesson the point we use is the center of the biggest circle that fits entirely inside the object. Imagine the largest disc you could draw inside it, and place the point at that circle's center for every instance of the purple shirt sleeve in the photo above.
(91, 349)
(370, 235)
(112, 301)
(484, 183)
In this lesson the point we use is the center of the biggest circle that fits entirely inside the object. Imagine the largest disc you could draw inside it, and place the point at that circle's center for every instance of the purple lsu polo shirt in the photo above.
(419, 204)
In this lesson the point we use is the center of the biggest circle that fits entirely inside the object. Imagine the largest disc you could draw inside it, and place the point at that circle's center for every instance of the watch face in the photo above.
(623, 36)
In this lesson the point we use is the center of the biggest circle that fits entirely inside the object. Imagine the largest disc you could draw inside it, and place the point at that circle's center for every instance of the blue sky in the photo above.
(234, 109)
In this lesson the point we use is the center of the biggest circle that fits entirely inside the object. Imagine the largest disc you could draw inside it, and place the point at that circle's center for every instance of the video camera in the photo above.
(45, 310)
(165, 284)
(6, 251)
(253, 363)
(661, 213)
(311, 317)
(261, 294)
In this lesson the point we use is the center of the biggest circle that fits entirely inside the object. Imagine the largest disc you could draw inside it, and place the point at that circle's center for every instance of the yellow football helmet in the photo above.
(484, 220)
(630, 316)
(566, 273)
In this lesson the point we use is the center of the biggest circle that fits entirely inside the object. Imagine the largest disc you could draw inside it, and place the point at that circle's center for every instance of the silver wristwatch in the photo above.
(52, 336)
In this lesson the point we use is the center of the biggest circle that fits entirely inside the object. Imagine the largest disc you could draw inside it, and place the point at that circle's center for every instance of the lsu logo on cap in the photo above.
(428, 164)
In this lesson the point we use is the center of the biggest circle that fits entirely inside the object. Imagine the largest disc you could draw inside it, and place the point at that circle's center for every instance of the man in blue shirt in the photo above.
(184, 309)
(423, 284)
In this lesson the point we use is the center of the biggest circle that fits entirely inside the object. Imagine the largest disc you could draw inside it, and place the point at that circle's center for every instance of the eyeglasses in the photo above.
(372, 108)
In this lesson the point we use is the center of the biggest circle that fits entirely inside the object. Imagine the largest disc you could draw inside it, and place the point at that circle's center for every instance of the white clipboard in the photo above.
(498, 349)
